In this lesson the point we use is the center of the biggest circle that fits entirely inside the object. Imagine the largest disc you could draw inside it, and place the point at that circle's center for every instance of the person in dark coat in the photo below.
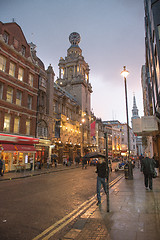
(148, 165)
(101, 178)
(84, 163)
(1, 167)
(141, 160)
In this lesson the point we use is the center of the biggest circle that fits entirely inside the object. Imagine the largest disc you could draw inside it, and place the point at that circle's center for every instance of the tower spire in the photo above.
(134, 109)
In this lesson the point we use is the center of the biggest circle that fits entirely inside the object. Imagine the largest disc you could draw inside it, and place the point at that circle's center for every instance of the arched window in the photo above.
(42, 129)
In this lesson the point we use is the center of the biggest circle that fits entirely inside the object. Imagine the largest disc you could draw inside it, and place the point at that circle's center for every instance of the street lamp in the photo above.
(125, 73)
(82, 147)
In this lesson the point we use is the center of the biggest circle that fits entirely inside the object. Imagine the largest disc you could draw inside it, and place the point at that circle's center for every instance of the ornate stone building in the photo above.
(74, 78)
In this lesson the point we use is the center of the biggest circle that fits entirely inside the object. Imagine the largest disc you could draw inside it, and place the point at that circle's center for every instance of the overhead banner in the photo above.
(93, 129)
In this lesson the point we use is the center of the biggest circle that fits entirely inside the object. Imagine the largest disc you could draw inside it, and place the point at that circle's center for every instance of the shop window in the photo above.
(30, 81)
(1, 90)
(6, 126)
(2, 63)
(28, 127)
(9, 96)
(20, 74)
(12, 68)
(16, 124)
(29, 102)
(18, 97)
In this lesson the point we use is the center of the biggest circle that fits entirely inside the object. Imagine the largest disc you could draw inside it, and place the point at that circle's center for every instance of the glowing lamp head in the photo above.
(124, 73)
(83, 120)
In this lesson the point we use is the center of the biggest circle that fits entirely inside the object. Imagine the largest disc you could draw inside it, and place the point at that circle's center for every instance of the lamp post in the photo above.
(125, 73)
(82, 147)
(107, 168)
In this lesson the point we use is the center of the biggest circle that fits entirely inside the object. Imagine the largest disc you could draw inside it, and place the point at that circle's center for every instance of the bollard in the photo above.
(126, 171)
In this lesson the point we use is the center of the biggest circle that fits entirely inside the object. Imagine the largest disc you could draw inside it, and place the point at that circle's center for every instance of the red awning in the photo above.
(7, 138)
(25, 148)
(7, 147)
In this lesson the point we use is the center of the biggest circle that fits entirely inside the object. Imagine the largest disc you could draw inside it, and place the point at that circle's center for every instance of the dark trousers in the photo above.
(148, 179)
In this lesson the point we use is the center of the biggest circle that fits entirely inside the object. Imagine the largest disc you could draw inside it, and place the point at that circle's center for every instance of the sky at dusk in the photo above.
(112, 35)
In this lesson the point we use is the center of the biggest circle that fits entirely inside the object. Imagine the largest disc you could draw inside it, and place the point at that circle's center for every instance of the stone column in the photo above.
(60, 72)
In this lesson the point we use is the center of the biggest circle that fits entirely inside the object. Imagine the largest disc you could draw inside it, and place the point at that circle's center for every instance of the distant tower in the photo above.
(135, 115)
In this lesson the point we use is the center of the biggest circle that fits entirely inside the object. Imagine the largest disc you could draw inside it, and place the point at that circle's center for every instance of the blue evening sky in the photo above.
(112, 35)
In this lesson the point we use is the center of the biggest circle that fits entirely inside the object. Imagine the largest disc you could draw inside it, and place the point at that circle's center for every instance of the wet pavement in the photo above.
(134, 214)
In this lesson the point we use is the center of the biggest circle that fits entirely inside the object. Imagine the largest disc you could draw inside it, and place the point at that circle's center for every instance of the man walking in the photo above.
(102, 173)
(148, 166)
(1, 167)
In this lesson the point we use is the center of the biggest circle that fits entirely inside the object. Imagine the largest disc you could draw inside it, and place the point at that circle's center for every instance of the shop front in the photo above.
(17, 156)
(42, 152)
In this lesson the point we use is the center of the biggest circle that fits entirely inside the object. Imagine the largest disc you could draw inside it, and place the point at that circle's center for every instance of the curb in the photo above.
(36, 174)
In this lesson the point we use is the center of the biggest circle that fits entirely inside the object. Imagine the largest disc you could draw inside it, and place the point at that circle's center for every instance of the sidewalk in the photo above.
(27, 173)
(134, 214)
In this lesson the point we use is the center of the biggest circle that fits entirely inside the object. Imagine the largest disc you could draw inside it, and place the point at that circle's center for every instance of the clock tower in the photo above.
(74, 74)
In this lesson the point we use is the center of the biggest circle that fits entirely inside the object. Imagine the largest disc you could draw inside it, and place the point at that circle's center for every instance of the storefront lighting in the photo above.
(67, 118)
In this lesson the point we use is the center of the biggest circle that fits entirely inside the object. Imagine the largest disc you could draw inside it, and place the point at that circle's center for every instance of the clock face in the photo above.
(74, 38)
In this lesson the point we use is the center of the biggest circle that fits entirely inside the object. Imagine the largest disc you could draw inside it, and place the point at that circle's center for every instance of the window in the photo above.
(12, 69)
(15, 43)
(6, 126)
(23, 50)
(20, 74)
(16, 124)
(18, 97)
(5, 37)
(2, 63)
(28, 127)
(30, 80)
(42, 129)
(1, 90)
(42, 82)
(9, 96)
(29, 102)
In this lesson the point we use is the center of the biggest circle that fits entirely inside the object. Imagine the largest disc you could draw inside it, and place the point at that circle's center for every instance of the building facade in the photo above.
(18, 97)
(74, 78)
(151, 76)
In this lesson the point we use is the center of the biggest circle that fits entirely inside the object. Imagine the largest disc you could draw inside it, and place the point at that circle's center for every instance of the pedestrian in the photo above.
(148, 165)
(141, 160)
(55, 162)
(31, 163)
(1, 167)
(101, 178)
(4, 167)
(70, 161)
(155, 157)
(84, 163)
(48, 162)
(77, 160)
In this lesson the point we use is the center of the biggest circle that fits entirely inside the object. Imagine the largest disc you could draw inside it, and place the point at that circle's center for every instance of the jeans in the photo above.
(100, 181)
(148, 178)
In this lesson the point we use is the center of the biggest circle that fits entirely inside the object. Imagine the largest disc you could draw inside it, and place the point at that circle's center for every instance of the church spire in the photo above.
(134, 109)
